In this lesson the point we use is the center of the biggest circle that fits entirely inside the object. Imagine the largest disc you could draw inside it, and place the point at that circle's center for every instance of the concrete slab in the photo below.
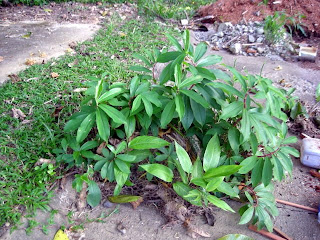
(47, 40)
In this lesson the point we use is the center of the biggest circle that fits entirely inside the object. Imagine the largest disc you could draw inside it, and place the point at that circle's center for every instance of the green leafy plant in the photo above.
(318, 93)
(274, 26)
(235, 124)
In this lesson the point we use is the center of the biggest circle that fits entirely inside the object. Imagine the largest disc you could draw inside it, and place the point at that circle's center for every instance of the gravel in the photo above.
(246, 39)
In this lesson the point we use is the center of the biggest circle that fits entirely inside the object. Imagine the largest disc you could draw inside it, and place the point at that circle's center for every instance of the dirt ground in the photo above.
(254, 10)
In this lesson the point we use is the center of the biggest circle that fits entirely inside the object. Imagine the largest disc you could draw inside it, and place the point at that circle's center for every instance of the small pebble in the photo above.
(251, 39)
(108, 204)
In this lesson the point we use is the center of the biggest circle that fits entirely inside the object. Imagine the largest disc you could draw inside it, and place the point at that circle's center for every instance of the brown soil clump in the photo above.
(254, 10)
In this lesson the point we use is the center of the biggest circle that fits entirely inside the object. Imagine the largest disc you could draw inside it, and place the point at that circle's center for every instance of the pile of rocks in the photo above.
(246, 39)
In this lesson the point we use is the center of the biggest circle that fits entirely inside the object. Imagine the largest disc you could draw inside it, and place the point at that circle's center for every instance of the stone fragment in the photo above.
(236, 48)
(251, 39)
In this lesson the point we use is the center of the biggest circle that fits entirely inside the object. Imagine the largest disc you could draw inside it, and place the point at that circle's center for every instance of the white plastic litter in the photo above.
(310, 152)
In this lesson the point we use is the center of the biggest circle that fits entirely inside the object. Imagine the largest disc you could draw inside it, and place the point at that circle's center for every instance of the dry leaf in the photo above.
(101, 146)
(26, 121)
(121, 228)
(47, 10)
(30, 62)
(103, 13)
(14, 78)
(77, 90)
(1, 59)
(69, 50)
(44, 160)
(75, 62)
(209, 217)
(122, 34)
(57, 111)
(278, 68)
(82, 202)
(193, 231)
(42, 54)
(54, 75)
(27, 35)
(18, 114)
(137, 203)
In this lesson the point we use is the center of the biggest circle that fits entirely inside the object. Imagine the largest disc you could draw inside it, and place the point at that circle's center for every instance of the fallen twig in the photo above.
(297, 205)
(277, 230)
(265, 233)
(204, 18)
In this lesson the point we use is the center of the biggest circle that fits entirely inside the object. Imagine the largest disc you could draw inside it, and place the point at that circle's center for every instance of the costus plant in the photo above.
(235, 124)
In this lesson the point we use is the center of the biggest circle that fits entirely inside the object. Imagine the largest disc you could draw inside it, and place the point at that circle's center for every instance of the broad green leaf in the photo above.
(134, 84)
(122, 166)
(148, 106)
(199, 112)
(196, 97)
(233, 137)
(123, 198)
(103, 124)
(291, 139)
(290, 150)
(158, 170)
(227, 189)
(247, 215)
(212, 154)
(120, 177)
(152, 97)
(186, 40)
(110, 94)
(168, 56)
(227, 89)
(85, 127)
(209, 60)
(188, 117)
(248, 164)
(180, 108)
(197, 170)
(245, 125)
(147, 142)
(174, 42)
(183, 158)
(177, 74)
(199, 182)
(127, 158)
(201, 49)
(142, 58)
(235, 237)
(166, 74)
(98, 89)
(94, 194)
(190, 80)
(182, 173)
(89, 145)
(318, 93)
(74, 123)
(140, 69)
(254, 143)
(257, 173)
(277, 169)
(267, 172)
(113, 113)
(214, 183)
(140, 155)
(183, 190)
(285, 161)
(231, 110)
(219, 203)
(225, 170)
(167, 114)
(104, 168)
(239, 77)
(130, 126)
(136, 103)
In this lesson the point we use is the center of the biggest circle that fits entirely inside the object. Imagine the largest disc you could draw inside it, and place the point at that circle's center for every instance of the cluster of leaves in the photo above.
(238, 119)
(274, 26)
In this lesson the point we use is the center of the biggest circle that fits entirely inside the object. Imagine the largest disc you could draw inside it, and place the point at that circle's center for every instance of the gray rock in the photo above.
(257, 13)
(220, 34)
(259, 39)
(260, 50)
(251, 39)
(259, 31)
(108, 204)
(236, 48)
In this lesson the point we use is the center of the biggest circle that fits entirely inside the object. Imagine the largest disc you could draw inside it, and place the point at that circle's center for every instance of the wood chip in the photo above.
(54, 75)
(137, 203)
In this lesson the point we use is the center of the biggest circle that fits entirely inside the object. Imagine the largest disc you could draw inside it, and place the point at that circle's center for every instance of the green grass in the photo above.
(22, 185)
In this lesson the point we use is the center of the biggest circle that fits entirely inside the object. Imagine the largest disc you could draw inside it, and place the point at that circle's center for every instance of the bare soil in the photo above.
(255, 10)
